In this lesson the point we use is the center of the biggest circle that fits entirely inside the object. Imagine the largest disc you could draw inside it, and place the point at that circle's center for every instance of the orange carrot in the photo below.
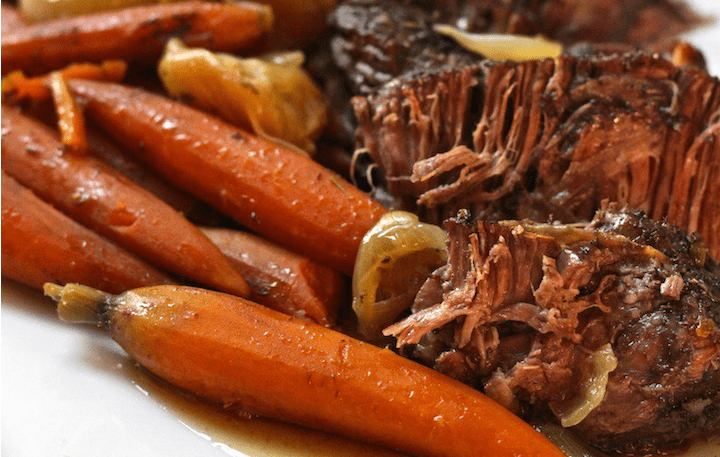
(283, 195)
(241, 354)
(132, 34)
(17, 86)
(99, 197)
(280, 279)
(110, 152)
(39, 244)
(71, 121)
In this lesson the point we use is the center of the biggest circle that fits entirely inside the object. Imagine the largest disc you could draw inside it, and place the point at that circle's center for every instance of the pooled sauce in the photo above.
(239, 435)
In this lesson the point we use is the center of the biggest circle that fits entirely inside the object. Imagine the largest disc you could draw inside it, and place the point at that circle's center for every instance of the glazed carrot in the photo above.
(280, 279)
(17, 86)
(71, 121)
(40, 244)
(244, 355)
(11, 19)
(134, 34)
(272, 190)
(113, 154)
(110, 152)
(99, 197)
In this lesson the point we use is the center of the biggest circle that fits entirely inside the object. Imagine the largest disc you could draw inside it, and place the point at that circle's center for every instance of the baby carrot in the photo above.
(131, 34)
(107, 150)
(272, 190)
(40, 244)
(244, 355)
(280, 279)
(98, 197)
(113, 154)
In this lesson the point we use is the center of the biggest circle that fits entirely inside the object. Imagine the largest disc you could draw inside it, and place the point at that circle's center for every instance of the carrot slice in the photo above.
(274, 191)
(40, 244)
(240, 354)
(132, 34)
(17, 86)
(71, 121)
(99, 197)
(280, 279)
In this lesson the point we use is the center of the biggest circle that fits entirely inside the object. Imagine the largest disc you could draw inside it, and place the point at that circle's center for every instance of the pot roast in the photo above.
(607, 320)
(530, 312)
(540, 139)
(637, 22)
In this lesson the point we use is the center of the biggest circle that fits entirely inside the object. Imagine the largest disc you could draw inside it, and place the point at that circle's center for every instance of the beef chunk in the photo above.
(552, 137)
(639, 22)
(376, 41)
(558, 137)
(535, 139)
(524, 304)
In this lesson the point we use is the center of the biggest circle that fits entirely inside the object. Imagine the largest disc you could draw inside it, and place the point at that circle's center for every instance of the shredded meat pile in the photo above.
(520, 306)
(536, 139)
(638, 22)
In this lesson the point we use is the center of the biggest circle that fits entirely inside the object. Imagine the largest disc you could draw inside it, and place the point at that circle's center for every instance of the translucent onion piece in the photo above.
(503, 47)
(567, 234)
(273, 97)
(595, 374)
(394, 259)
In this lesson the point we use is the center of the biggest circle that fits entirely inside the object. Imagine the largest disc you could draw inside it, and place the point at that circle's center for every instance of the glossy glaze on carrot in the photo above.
(40, 244)
(272, 190)
(244, 355)
(281, 279)
(100, 198)
(134, 34)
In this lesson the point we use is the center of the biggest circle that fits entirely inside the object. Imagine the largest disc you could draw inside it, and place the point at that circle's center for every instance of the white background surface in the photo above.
(69, 391)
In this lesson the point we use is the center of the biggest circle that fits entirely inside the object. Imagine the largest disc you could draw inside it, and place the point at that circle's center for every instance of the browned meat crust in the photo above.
(524, 304)
(376, 41)
(529, 140)
(637, 22)
(554, 138)
(517, 312)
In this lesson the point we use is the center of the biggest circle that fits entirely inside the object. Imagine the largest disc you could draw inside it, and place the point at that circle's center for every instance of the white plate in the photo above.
(69, 391)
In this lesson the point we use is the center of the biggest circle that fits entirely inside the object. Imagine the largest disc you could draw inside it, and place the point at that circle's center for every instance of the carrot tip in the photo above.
(77, 303)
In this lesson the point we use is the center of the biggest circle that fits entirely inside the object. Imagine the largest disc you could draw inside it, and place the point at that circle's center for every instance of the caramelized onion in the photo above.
(595, 374)
(567, 234)
(394, 259)
(501, 46)
(271, 96)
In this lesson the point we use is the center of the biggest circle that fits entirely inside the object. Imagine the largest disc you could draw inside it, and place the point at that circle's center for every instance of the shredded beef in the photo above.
(524, 304)
(553, 137)
(519, 307)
